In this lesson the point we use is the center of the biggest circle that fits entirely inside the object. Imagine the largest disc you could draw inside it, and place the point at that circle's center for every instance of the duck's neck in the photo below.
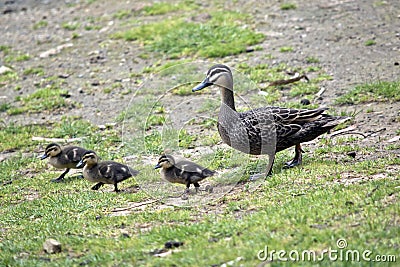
(227, 97)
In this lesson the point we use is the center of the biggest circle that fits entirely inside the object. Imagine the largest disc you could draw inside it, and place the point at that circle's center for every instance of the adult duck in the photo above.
(265, 130)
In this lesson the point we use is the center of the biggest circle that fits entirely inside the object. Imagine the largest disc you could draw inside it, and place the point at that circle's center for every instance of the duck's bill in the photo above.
(202, 85)
(44, 156)
(80, 164)
(157, 166)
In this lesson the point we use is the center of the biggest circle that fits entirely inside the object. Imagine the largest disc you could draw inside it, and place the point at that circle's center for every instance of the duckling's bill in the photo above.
(80, 164)
(44, 156)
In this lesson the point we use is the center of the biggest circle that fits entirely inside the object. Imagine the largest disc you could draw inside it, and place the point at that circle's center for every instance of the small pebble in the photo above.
(305, 102)
(351, 154)
(52, 246)
(173, 244)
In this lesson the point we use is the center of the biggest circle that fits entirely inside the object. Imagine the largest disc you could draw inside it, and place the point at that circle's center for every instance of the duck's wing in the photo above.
(73, 153)
(115, 170)
(191, 167)
(285, 121)
(295, 116)
(191, 172)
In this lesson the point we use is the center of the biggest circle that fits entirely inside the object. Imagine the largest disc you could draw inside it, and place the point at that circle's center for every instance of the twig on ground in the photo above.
(350, 130)
(135, 206)
(291, 80)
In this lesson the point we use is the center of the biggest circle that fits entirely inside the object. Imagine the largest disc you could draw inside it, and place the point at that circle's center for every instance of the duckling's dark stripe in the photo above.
(50, 148)
(89, 156)
(165, 159)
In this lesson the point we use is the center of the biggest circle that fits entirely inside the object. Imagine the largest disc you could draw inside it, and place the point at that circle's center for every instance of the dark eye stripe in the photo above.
(50, 149)
(89, 156)
(163, 160)
(216, 70)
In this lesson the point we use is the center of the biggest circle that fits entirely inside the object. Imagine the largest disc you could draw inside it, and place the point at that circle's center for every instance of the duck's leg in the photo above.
(196, 186)
(268, 171)
(116, 188)
(297, 157)
(59, 179)
(187, 188)
(97, 186)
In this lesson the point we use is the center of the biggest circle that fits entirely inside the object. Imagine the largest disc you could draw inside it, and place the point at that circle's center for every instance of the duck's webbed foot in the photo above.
(59, 179)
(97, 186)
(298, 158)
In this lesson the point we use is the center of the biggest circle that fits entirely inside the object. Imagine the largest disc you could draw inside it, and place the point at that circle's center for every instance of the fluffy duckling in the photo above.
(104, 172)
(265, 130)
(182, 171)
(63, 158)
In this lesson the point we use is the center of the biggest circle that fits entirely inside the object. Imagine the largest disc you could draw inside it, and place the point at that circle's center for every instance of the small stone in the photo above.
(4, 69)
(173, 244)
(125, 233)
(63, 75)
(351, 154)
(305, 102)
(52, 246)
(209, 188)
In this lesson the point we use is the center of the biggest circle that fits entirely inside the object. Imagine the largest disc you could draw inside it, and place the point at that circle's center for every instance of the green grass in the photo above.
(16, 56)
(34, 71)
(49, 97)
(285, 49)
(263, 73)
(371, 92)
(370, 42)
(8, 77)
(41, 100)
(11, 55)
(15, 137)
(288, 6)
(122, 14)
(5, 48)
(312, 60)
(362, 214)
(70, 26)
(40, 24)
(221, 36)
(163, 8)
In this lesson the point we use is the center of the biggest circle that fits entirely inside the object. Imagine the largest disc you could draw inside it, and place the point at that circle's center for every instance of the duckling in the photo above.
(104, 172)
(182, 171)
(63, 158)
(265, 130)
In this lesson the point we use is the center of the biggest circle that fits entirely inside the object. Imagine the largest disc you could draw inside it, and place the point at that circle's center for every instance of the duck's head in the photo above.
(51, 150)
(219, 75)
(165, 162)
(89, 158)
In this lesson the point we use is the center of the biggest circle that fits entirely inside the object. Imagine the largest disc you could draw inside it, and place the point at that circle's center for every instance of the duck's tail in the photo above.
(336, 121)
